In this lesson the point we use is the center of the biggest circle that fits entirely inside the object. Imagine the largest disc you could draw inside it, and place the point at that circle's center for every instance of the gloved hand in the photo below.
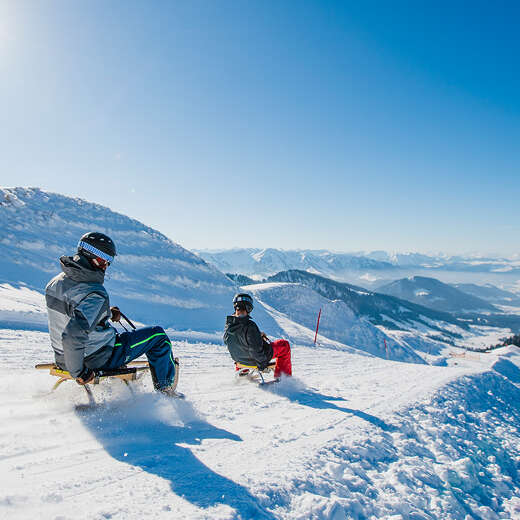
(85, 377)
(265, 338)
(116, 314)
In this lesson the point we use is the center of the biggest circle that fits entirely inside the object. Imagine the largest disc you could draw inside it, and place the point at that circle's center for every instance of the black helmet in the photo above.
(243, 301)
(97, 245)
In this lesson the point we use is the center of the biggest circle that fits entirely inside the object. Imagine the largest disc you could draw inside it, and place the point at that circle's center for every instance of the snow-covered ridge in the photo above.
(153, 279)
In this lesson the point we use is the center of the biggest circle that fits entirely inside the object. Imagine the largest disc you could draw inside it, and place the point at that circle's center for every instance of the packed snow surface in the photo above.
(350, 436)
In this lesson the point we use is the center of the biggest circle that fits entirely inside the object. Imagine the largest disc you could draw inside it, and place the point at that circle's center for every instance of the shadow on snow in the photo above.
(152, 433)
(294, 390)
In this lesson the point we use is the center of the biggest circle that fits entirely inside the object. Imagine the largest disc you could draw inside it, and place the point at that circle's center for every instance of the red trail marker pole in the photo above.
(386, 348)
(317, 327)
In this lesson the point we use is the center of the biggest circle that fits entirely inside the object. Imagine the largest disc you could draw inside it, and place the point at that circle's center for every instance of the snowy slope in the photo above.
(353, 437)
(22, 307)
(300, 304)
(152, 279)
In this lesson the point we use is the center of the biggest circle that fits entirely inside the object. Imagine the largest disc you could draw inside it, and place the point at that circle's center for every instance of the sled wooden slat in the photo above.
(131, 376)
(133, 364)
(272, 364)
(129, 373)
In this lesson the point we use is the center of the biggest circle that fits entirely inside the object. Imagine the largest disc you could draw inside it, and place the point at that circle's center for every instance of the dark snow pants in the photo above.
(155, 344)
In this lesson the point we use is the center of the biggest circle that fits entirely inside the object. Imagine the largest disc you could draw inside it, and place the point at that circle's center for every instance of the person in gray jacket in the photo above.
(79, 309)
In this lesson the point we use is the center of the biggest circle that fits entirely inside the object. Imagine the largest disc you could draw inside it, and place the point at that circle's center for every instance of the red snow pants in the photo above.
(282, 353)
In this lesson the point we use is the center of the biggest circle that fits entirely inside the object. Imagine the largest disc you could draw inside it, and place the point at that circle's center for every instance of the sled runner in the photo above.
(254, 374)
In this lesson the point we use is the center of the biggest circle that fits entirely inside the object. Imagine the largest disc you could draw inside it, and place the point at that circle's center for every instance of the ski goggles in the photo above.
(95, 251)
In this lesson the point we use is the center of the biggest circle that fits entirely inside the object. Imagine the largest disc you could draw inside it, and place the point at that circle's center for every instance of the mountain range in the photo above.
(366, 268)
(380, 309)
(300, 304)
(152, 279)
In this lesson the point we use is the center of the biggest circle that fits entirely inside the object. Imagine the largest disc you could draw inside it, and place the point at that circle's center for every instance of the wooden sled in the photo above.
(126, 373)
(253, 373)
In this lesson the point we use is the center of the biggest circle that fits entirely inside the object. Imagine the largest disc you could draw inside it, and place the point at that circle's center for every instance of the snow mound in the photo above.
(454, 456)
(508, 369)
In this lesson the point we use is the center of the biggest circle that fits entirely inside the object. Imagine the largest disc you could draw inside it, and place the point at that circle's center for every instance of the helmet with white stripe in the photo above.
(95, 245)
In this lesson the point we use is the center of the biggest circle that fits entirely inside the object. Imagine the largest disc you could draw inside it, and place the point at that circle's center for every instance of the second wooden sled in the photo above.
(253, 373)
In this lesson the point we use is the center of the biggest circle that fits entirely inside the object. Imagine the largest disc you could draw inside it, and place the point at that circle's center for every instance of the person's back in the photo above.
(78, 311)
(245, 343)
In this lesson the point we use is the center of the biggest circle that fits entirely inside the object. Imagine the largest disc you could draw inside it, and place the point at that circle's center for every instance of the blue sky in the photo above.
(341, 125)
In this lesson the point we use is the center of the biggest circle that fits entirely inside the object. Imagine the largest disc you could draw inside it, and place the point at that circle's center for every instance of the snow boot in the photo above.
(171, 390)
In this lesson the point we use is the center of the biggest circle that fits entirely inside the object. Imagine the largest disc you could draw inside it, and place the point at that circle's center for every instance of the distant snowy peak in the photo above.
(152, 278)
(265, 262)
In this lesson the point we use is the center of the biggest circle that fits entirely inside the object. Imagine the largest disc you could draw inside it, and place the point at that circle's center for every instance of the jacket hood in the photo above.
(234, 322)
(78, 269)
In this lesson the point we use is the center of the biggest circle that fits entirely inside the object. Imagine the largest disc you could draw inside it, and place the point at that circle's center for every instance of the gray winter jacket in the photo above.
(78, 308)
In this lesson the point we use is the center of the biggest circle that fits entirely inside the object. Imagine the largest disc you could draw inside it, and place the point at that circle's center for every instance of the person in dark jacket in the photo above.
(248, 346)
(79, 309)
